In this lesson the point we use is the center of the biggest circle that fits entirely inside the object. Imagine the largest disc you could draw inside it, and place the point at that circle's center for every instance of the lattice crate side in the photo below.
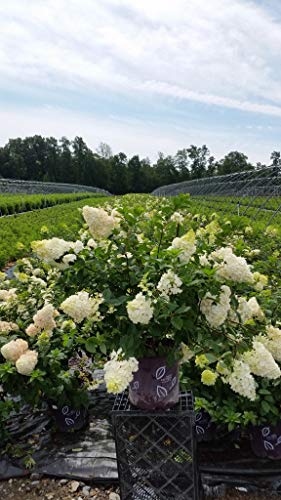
(156, 451)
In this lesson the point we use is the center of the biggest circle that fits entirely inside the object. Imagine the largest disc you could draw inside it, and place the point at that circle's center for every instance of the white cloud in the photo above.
(221, 52)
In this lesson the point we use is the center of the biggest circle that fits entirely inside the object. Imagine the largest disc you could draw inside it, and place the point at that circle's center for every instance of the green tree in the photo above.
(104, 150)
(12, 163)
(275, 158)
(51, 161)
(211, 166)
(198, 157)
(181, 161)
(135, 175)
(82, 162)
(118, 174)
(234, 162)
(165, 170)
(65, 171)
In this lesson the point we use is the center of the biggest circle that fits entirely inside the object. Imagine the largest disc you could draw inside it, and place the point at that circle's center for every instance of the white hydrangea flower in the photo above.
(247, 310)
(27, 263)
(177, 217)
(203, 259)
(230, 267)
(201, 233)
(32, 330)
(261, 362)
(186, 244)
(14, 349)
(255, 309)
(241, 380)
(77, 246)
(51, 250)
(272, 341)
(8, 326)
(84, 235)
(186, 352)
(22, 277)
(92, 243)
(81, 306)
(43, 320)
(8, 295)
(116, 215)
(140, 237)
(68, 325)
(254, 252)
(243, 311)
(149, 215)
(100, 223)
(118, 372)
(211, 230)
(38, 282)
(26, 363)
(140, 309)
(169, 284)
(271, 231)
(69, 258)
(261, 280)
(216, 309)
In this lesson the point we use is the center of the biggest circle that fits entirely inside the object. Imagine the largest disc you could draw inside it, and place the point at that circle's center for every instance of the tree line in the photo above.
(48, 159)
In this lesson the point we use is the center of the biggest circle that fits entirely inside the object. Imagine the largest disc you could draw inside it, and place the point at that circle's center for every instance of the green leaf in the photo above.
(265, 407)
(103, 348)
(211, 358)
(118, 301)
(91, 345)
(265, 392)
(177, 322)
(182, 309)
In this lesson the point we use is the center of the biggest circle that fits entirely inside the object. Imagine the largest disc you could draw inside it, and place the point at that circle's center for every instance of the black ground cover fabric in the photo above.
(89, 454)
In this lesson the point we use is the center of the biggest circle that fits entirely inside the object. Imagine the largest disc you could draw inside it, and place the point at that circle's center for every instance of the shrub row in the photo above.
(17, 203)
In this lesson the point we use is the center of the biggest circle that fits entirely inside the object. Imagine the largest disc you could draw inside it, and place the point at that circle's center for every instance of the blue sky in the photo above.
(144, 75)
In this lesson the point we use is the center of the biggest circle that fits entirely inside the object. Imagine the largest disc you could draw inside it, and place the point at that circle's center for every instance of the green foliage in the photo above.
(18, 203)
(18, 231)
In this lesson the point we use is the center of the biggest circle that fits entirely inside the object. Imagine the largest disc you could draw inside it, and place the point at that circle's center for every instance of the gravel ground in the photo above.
(36, 488)
(54, 489)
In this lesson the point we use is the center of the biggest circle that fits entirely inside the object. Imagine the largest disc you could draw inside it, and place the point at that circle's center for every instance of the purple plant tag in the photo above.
(266, 441)
(203, 426)
(155, 385)
(68, 419)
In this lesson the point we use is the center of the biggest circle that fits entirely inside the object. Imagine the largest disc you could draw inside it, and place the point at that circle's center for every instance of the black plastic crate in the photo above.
(156, 451)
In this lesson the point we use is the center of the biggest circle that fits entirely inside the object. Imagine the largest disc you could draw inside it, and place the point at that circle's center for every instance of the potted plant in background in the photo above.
(42, 360)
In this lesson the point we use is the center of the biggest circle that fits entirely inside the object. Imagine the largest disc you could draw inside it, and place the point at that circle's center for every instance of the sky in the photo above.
(144, 75)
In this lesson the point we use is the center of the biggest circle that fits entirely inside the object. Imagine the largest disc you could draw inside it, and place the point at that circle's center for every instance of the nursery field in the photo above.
(259, 212)
(18, 231)
(17, 203)
(262, 202)
(266, 209)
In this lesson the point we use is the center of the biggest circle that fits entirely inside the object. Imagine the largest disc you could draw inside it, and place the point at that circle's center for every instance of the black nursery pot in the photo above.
(266, 441)
(69, 419)
(204, 427)
(207, 430)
